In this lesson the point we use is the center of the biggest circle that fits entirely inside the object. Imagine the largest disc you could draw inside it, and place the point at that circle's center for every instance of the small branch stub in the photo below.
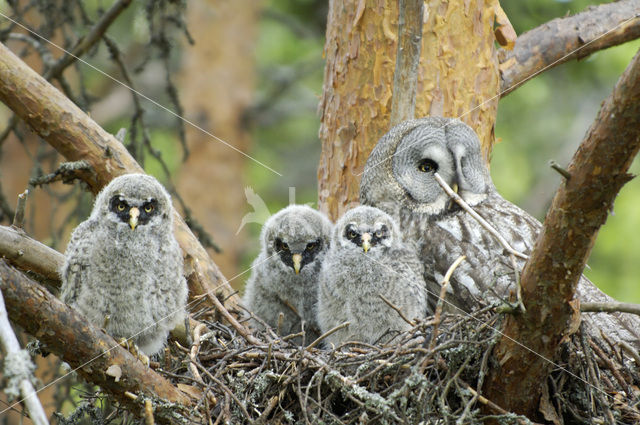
(18, 218)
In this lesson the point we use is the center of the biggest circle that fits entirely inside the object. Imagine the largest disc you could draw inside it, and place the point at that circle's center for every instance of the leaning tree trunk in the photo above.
(217, 85)
(458, 76)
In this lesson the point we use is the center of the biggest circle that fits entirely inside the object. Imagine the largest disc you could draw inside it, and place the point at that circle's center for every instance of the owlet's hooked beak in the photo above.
(297, 261)
(134, 213)
(366, 241)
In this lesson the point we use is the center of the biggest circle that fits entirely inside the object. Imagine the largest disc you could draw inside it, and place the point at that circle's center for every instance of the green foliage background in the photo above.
(543, 120)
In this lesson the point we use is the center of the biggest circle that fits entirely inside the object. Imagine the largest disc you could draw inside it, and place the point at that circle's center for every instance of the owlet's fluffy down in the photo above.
(285, 274)
(123, 267)
(367, 259)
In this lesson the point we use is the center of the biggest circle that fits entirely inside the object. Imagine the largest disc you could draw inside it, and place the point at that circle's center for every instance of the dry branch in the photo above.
(550, 277)
(552, 43)
(22, 368)
(82, 46)
(29, 254)
(68, 335)
(76, 136)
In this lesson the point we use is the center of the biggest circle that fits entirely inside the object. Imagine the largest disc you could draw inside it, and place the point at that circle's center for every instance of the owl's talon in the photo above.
(134, 350)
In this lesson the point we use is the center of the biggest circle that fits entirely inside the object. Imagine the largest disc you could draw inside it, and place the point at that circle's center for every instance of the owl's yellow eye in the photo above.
(351, 234)
(428, 166)
(378, 233)
(148, 208)
(311, 246)
(121, 206)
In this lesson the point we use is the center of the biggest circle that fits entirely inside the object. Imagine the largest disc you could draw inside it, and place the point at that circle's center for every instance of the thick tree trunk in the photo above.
(216, 88)
(458, 76)
(550, 277)
(76, 136)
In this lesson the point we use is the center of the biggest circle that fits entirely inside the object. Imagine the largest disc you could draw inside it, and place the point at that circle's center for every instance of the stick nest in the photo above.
(421, 378)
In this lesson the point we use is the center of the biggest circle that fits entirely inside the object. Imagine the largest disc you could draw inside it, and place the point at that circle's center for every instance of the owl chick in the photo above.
(123, 266)
(368, 259)
(399, 178)
(285, 273)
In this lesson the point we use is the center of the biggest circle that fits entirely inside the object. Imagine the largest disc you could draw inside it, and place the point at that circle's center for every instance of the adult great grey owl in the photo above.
(367, 259)
(285, 274)
(123, 266)
(399, 178)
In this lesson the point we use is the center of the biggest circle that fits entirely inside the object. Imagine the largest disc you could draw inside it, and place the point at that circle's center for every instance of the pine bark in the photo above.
(597, 172)
(570, 38)
(458, 76)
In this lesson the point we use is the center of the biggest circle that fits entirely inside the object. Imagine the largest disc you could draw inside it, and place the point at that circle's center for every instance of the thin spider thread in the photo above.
(272, 170)
(133, 336)
(493, 328)
(191, 123)
(513, 87)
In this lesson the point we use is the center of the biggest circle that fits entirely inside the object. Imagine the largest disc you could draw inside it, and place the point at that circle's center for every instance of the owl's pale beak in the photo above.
(134, 213)
(454, 187)
(297, 261)
(366, 241)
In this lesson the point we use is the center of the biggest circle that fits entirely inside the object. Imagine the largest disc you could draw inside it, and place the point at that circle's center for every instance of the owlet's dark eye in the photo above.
(148, 208)
(311, 246)
(121, 206)
(281, 246)
(351, 234)
(428, 166)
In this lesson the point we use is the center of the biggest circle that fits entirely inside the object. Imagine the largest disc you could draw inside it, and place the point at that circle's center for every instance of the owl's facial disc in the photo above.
(419, 155)
(367, 237)
(133, 213)
(297, 254)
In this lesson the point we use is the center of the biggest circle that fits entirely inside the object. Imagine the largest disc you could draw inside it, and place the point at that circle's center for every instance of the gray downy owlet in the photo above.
(367, 259)
(285, 273)
(399, 178)
(123, 266)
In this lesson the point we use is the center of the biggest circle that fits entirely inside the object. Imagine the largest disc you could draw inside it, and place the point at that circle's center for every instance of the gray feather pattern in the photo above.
(392, 181)
(134, 277)
(352, 279)
(274, 287)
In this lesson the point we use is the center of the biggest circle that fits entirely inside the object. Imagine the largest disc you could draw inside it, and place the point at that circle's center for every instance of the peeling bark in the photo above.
(67, 335)
(76, 136)
(457, 74)
(551, 43)
(550, 277)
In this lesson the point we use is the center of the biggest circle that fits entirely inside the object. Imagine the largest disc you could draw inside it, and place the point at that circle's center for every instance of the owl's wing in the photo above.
(77, 257)
(521, 230)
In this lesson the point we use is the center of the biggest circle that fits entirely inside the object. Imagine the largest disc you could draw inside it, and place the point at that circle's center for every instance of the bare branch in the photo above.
(609, 307)
(551, 44)
(550, 277)
(87, 41)
(69, 336)
(76, 136)
(405, 77)
(28, 254)
(18, 218)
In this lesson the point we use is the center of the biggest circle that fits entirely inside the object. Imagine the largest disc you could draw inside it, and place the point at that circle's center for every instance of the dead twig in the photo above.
(609, 307)
(397, 309)
(326, 334)
(443, 294)
(18, 218)
(484, 223)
